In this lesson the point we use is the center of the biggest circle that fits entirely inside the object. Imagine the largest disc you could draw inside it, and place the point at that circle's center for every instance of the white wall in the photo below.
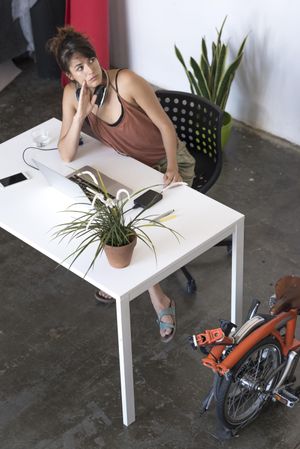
(265, 93)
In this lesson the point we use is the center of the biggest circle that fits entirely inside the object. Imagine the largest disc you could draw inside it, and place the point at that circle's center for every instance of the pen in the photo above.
(169, 217)
(165, 214)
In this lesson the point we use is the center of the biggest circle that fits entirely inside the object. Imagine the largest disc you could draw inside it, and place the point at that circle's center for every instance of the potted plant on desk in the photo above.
(111, 225)
(212, 79)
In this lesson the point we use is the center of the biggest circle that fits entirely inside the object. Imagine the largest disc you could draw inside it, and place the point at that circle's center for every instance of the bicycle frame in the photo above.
(287, 342)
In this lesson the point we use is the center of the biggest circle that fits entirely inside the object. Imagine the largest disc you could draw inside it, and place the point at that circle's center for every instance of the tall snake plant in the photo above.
(213, 79)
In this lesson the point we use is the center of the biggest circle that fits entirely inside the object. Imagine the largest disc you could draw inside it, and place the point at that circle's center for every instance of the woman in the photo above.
(123, 112)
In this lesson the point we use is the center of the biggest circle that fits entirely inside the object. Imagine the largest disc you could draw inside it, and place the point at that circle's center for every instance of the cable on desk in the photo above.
(35, 148)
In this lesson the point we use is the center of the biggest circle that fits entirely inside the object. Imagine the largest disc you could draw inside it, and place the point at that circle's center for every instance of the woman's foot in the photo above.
(165, 309)
(168, 327)
(103, 297)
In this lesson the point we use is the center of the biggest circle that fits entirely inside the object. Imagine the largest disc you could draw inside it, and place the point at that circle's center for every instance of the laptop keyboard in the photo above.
(87, 186)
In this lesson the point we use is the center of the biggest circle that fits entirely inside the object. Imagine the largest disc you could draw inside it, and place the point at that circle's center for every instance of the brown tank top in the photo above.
(134, 134)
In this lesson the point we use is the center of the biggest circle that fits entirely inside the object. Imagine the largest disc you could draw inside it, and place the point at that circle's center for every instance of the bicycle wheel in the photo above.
(241, 398)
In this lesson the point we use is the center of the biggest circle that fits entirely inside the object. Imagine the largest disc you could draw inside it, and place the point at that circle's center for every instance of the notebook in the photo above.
(80, 182)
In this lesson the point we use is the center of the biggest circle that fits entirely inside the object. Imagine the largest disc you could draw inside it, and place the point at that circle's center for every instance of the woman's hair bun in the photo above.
(66, 43)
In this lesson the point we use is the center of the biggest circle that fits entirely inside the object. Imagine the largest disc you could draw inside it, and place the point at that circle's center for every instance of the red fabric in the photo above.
(91, 17)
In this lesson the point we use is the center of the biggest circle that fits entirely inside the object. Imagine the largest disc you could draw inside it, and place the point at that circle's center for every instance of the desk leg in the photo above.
(125, 360)
(237, 273)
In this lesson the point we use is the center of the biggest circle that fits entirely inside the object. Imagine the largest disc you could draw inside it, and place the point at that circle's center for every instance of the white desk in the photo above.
(29, 210)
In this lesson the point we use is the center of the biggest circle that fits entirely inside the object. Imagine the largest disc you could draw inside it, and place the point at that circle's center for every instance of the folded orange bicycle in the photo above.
(255, 364)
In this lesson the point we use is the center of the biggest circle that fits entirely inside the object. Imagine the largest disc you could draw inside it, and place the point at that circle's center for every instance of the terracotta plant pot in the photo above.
(120, 256)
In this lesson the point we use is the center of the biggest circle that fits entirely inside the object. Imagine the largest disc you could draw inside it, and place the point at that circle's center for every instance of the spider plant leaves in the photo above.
(105, 223)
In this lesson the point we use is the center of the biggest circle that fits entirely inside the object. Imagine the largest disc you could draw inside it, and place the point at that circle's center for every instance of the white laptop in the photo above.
(80, 182)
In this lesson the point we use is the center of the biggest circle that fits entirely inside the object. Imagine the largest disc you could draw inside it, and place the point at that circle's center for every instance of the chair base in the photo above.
(191, 285)
(228, 244)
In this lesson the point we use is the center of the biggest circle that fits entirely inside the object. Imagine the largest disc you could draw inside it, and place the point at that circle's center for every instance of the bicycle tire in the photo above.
(239, 400)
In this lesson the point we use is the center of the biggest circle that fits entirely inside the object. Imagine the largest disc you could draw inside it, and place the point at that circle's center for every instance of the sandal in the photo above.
(103, 297)
(163, 325)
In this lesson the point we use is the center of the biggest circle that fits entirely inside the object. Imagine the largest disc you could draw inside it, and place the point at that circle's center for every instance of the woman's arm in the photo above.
(74, 114)
(137, 90)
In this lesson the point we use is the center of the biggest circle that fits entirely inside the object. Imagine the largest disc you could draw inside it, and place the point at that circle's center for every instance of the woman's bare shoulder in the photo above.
(130, 83)
(123, 76)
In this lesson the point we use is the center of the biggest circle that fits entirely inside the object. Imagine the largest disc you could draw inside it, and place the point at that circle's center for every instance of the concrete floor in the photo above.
(59, 371)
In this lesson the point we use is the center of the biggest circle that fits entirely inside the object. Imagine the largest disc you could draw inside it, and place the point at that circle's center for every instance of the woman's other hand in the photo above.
(171, 175)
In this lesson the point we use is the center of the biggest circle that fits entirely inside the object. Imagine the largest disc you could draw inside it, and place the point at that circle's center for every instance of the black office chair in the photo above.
(198, 123)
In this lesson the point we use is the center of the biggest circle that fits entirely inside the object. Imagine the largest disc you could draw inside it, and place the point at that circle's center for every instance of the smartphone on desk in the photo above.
(13, 179)
(147, 199)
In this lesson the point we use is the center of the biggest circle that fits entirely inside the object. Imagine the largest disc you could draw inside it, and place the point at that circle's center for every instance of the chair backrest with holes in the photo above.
(198, 123)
